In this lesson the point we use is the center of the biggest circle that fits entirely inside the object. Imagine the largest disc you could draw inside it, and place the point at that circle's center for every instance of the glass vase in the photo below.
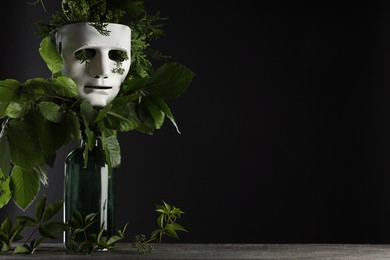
(89, 190)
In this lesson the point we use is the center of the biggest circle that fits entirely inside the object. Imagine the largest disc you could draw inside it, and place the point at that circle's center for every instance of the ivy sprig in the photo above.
(168, 216)
(84, 240)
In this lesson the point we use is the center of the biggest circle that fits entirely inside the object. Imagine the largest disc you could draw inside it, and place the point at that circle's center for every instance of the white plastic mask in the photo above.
(94, 61)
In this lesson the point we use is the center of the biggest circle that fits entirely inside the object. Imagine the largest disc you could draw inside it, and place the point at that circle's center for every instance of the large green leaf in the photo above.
(24, 186)
(123, 116)
(3, 109)
(170, 80)
(40, 171)
(51, 111)
(50, 55)
(5, 158)
(23, 152)
(5, 192)
(7, 89)
(88, 112)
(112, 150)
(41, 84)
(120, 123)
(103, 113)
(54, 136)
(17, 109)
(65, 86)
(132, 85)
(150, 114)
(160, 103)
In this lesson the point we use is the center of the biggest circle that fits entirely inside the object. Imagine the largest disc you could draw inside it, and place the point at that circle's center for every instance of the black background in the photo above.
(285, 127)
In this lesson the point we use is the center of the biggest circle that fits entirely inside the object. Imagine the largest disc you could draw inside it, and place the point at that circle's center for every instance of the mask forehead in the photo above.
(76, 36)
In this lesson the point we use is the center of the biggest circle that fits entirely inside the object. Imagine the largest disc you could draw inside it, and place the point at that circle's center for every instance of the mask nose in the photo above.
(99, 66)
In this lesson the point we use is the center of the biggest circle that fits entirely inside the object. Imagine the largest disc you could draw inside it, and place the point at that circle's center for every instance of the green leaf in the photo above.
(46, 233)
(113, 239)
(103, 113)
(51, 111)
(54, 136)
(42, 175)
(170, 80)
(17, 109)
(160, 103)
(52, 210)
(8, 88)
(123, 116)
(149, 114)
(156, 234)
(6, 225)
(122, 231)
(160, 220)
(27, 221)
(22, 147)
(78, 217)
(40, 208)
(177, 211)
(177, 227)
(100, 234)
(50, 55)
(65, 87)
(90, 218)
(3, 109)
(55, 227)
(171, 231)
(74, 126)
(5, 191)
(22, 249)
(88, 112)
(4, 247)
(5, 158)
(103, 244)
(112, 150)
(91, 137)
(16, 229)
(167, 206)
(24, 186)
(118, 122)
(132, 85)
(41, 86)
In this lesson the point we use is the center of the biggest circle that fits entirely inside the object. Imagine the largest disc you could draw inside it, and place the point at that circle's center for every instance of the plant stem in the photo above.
(85, 235)
(30, 235)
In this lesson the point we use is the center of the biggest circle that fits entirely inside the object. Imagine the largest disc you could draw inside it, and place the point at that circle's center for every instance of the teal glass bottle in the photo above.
(89, 190)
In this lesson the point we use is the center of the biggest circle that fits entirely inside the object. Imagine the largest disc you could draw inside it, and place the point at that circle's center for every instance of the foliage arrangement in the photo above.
(145, 27)
(41, 115)
(79, 225)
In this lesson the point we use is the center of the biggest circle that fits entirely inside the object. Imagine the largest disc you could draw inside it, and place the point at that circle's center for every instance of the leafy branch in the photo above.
(166, 226)
(42, 224)
(85, 241)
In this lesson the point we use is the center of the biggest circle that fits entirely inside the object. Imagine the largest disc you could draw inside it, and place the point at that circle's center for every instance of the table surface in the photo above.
(223, 251)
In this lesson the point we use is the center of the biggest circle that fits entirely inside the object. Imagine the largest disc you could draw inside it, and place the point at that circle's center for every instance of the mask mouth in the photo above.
(97, 87)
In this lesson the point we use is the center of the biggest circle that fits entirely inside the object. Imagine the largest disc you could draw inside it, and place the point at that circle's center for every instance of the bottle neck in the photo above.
(83, 142)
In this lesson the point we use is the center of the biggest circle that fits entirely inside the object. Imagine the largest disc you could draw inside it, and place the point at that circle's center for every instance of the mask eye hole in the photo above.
(85, 54)
(118, 55)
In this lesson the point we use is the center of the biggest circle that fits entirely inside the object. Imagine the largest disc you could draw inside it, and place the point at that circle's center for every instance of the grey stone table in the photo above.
(224, 251)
